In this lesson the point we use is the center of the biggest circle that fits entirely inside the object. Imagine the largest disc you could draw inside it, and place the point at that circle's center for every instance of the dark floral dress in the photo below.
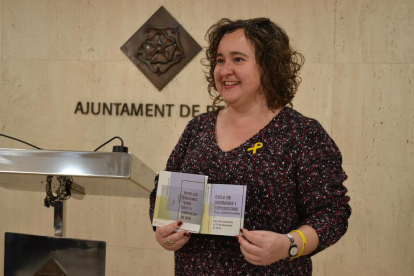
(295, 179)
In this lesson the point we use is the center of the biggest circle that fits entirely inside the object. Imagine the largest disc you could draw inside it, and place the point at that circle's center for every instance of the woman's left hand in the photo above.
(263, 247)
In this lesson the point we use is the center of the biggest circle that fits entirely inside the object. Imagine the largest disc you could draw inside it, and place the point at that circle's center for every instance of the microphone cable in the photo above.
(122, 148)
(20, 141)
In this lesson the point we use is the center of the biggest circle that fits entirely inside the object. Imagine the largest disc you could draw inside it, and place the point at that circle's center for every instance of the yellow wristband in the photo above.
(303, 243)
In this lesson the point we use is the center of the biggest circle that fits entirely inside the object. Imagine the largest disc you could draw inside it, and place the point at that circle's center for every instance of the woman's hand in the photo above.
(169, 239)
(263, 247)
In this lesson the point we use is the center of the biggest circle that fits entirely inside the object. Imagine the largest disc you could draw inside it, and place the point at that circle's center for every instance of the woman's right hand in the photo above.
(169, 239)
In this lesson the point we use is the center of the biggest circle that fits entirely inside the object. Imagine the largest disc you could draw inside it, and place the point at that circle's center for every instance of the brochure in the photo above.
(205, 208)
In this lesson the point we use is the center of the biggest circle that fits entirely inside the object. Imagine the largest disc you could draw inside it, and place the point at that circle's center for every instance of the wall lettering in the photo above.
(140, 109)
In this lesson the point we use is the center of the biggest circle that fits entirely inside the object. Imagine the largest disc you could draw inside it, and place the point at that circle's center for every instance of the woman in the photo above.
(296, 204)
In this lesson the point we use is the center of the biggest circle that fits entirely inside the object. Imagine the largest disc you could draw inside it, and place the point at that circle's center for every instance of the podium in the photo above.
(67, 175)
(85, 173)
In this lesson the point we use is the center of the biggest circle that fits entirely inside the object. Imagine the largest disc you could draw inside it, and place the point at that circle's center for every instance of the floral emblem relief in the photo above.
(160, 49)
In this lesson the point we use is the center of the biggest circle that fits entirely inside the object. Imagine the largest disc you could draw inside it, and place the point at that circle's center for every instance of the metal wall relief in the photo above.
(161, 48)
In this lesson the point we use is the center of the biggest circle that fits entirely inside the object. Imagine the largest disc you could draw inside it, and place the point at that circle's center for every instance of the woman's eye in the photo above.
(238, 59)
(220, 61)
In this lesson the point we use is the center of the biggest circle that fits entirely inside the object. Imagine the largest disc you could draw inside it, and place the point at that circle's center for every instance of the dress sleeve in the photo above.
(322, 201)
(174, 162)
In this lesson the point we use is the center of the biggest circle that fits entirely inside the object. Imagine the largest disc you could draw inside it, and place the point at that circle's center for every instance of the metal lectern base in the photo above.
(37, 255)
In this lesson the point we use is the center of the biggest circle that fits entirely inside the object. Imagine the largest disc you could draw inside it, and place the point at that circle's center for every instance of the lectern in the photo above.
(63, 175)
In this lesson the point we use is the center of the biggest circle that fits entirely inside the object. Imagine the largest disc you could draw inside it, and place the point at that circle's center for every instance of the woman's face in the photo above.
(237, 75)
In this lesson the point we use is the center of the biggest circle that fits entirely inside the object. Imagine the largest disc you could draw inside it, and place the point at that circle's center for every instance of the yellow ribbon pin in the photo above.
(257, 146)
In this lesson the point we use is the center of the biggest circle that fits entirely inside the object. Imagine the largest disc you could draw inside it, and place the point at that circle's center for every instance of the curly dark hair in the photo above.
(280, 64)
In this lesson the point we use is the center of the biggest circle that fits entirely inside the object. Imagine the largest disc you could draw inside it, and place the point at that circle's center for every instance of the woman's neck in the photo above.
(234, 127)
(258, 113)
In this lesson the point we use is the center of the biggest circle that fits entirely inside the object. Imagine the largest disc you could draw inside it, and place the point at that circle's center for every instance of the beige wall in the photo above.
(358, 81)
